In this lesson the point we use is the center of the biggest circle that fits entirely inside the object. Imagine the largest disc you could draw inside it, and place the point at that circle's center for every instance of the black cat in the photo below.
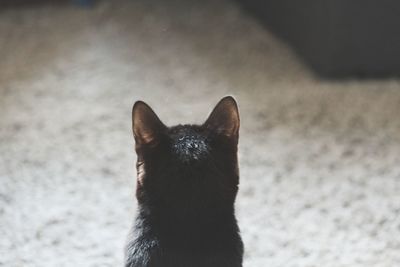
(186, 188)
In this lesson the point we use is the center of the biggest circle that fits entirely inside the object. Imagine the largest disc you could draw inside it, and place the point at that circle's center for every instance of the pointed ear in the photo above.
(147, 127)
(224, 119)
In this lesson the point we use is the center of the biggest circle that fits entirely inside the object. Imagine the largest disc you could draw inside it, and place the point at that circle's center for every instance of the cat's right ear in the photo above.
(224, 119)
(147, 127)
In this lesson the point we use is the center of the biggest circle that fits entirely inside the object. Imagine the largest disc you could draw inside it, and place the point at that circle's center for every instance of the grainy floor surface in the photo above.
(320, 172)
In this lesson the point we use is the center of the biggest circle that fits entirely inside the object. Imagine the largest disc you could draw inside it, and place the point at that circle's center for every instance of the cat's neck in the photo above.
(191, 245)
(185, 226)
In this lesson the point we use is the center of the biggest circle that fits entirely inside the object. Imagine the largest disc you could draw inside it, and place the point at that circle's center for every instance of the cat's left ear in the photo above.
(224, 119)
(147, 127)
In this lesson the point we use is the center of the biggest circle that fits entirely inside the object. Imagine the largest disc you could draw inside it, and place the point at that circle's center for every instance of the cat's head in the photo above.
(187, 166)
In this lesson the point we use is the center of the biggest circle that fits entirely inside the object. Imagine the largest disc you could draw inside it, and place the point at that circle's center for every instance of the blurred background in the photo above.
(319, 95)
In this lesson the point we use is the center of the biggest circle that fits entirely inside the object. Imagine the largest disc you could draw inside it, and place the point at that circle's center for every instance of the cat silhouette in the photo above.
(187, 182)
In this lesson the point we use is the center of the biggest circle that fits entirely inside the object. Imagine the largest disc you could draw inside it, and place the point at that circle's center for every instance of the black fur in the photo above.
(186, 189)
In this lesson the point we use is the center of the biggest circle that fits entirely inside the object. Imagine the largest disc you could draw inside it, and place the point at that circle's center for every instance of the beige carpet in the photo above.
(320, 172)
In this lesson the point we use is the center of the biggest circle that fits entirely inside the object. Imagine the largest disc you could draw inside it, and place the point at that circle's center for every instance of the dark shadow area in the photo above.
(338, 39)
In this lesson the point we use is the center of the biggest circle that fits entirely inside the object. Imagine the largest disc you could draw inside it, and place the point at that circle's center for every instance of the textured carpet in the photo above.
(320, 172)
